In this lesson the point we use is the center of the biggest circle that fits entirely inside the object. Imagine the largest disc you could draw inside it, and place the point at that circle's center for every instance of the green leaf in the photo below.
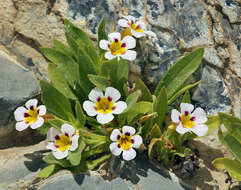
(180, 72)
(83, 40)
(145, 93)
(160, 106)
(61, 47)
(180, 92)
(233, 125)
(57, 123)
(151, 145)
(99, 81)
(107, 66)
(138, 108)
(231, 143)
(102, 34)
(213, 123)
(56, 102)
(50, 159)
(186, 97)
(75, 156)
(72, 44)
(44, 129)
(85, 67)
(119, 74)
(64, 63)
(80, 114)
(48, 171)
(132, 99)
(59, 81)
(232, 166)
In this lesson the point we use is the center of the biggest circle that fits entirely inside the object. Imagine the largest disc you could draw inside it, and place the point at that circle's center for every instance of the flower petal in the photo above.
(129, 41)
(60, 154)
(104, 118)
(200, 116)
(42, 110)
(115, 150)
(51, 146)
(142, 25)
(119, 107)
(69, 129)
(113, 93)
(104, 44)
(38, 123)
(175, 116)
(129, 55)
(20, 126)
(129, 18)
(200, 130)
(186, 107)
(137, 34)
(19, 113)
(75, 143)
(114, 134)
(94, 94)
(89, 107)
(180, 129)
(32, 102)
(52, 132)
(123, 23)
(150, 33)
(114, 35)
(137, 141)
(109, 56)
(129, 154)
(128, 129)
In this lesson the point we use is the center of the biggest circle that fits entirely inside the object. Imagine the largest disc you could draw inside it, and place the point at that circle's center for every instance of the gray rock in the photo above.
(16, 86)
(19, 166)
(137, 174)
(212, 94)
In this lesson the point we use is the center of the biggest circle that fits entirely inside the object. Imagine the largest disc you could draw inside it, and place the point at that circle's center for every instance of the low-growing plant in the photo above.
(88, 100)
(231, 138)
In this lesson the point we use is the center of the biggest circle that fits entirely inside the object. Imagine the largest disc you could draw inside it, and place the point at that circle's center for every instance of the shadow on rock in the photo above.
(35, 160)
(79, 178)
(23, 138)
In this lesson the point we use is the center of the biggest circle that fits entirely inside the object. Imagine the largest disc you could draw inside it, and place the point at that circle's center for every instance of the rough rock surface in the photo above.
(180, 26)
(19, 166)
(16, 86)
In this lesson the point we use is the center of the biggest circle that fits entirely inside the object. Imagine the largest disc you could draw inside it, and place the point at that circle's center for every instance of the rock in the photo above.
(139, 174)
(181, 26)
(206, 93)
(19, 166)
(17, 85)
(232, 9)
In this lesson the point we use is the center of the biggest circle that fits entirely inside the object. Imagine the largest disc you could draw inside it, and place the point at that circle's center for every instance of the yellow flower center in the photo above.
(104, 105)
(187, 121)
(135, 27)
(63, 142)
(125, 142)
(117, 48)
(32, 115)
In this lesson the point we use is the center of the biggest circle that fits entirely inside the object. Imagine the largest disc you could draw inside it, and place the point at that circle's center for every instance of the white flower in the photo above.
(125, 142)
(104, 106)
(138, 29)
(190, 121)
(64, 142)
(30, 116)
(119, 48)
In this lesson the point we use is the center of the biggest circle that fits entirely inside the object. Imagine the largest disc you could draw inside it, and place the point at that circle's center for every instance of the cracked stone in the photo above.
(231, 9)
(16, 86)
(206, 93)
(211, 56)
